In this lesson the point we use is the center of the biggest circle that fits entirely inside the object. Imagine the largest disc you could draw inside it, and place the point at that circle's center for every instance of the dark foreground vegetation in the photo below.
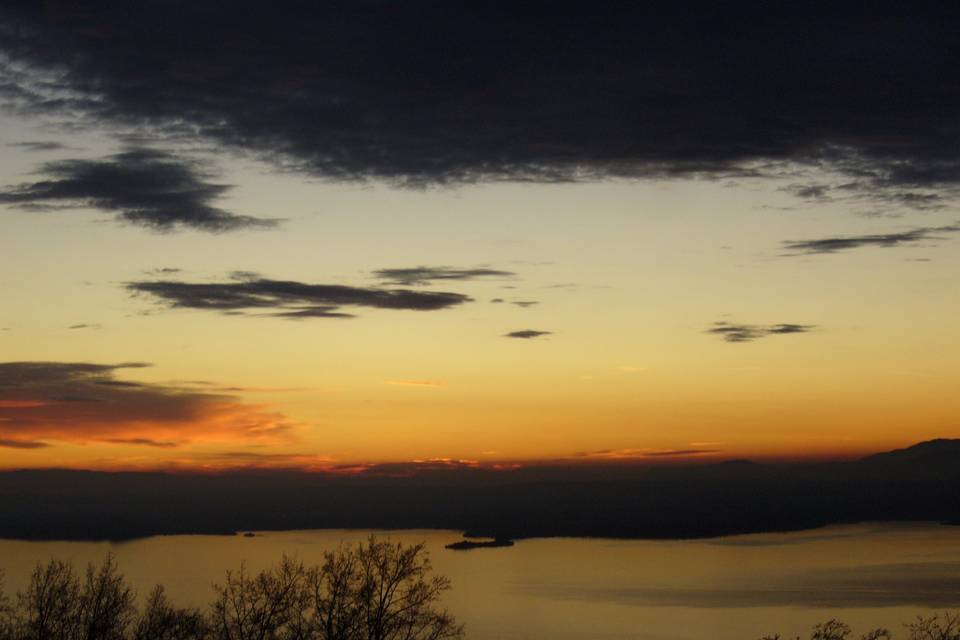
(936, 627)
(627, 501)
(372, 591)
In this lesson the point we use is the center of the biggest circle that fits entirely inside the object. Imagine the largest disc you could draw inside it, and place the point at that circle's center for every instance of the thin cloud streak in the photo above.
(289, 299)
(527, 334)
(37, 146)
(885, 240)
(426, 275)
(6, 443)
(426, 384)
(628, 453)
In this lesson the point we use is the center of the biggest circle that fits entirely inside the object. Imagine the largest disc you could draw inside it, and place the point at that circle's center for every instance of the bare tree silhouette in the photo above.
(261, 606)
(49, 607)
(161, 621)
(374, 590)
(106, 605)
(937, 627)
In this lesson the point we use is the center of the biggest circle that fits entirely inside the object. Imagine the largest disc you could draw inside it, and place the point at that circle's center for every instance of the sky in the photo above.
(478, 234)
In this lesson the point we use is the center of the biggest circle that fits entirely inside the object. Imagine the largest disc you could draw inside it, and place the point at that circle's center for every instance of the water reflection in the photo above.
(737, 587)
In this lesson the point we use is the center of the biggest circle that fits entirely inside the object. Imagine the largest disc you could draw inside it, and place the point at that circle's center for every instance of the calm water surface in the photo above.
(723, 588)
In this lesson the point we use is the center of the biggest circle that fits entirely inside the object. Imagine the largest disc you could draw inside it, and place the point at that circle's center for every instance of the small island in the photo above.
(467, 545)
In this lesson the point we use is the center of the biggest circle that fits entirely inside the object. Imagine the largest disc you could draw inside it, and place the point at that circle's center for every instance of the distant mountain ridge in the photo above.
(920, 482)
(940, 448)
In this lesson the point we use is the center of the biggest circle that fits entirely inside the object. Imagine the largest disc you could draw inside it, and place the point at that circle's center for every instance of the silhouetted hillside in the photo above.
(918, 483)
(932, 456)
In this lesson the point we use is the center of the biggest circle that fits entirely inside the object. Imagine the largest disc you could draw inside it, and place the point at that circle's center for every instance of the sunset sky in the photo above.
(327, 238)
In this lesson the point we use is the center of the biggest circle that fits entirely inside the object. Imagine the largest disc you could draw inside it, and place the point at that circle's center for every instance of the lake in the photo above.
(716, 589)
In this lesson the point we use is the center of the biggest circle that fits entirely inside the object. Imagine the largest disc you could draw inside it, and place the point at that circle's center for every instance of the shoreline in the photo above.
(466, 540)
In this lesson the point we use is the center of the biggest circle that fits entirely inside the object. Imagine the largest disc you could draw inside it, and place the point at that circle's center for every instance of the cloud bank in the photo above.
(428, 93)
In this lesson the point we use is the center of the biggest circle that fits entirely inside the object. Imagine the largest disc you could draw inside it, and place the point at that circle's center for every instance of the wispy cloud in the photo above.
(144, 187)
(144, 442)
(733, 332)
(249, 293)
(834, 244)
(6, 443)
(426, 275)
(82, 403)
(38, 145)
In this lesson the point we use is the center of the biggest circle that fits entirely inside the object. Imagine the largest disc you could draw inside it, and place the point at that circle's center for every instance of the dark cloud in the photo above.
(425, 275)
(845, 243)
(527, 334)
(83, 402)
(427, 92)
(142, 186)
(732, 332)
(496, 300)
(38, 145)
(290, 299)
(525, 303)
(84, 326)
